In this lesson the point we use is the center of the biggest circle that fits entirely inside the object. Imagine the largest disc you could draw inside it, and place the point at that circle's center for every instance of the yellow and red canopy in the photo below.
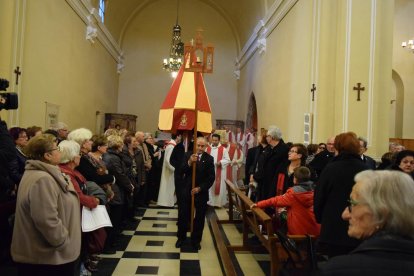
(178, 110)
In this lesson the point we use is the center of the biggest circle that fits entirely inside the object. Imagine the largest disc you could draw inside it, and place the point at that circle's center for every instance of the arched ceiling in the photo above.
(241, 15)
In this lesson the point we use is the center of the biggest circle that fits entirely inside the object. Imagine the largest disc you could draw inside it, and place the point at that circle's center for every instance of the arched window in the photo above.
(102, 9)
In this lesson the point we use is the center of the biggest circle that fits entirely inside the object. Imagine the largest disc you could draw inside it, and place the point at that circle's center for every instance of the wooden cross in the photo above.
(359, 89)
(313, 91)
(18, 73)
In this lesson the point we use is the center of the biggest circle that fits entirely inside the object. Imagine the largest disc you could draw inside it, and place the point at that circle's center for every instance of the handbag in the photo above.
(95, 240)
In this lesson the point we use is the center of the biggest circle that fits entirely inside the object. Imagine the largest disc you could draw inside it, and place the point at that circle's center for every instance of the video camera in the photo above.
(7, 100)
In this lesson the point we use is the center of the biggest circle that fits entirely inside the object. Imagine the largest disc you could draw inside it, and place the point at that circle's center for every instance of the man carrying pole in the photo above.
(204, 179)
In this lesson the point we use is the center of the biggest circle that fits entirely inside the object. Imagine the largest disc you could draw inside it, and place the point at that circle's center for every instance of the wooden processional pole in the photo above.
(194, 150)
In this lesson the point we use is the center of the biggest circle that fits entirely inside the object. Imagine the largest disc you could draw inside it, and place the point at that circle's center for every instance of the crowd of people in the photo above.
(46, 177)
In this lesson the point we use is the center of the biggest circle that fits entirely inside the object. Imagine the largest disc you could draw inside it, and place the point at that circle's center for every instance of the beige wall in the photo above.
(143, 83)
(279, 78)
(346, 43)
(403, 65)
(61, 67)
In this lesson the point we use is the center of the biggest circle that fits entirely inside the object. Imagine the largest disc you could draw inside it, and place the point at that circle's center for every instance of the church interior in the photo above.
(314, 68)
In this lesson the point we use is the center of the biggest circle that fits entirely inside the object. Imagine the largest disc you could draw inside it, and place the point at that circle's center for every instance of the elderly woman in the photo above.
(378, 213)
(47, 230)
(16, 166)
(88, 166)
(70, 159)
(331, 195)
(404, 161)
(134, 162)
(122, 187)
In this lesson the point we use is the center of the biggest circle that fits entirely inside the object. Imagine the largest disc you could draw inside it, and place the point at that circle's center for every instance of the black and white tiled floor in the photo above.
(148, 248)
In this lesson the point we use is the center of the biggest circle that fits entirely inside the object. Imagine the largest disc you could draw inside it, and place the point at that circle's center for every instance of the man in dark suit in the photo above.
(367, 160)
(205, 177)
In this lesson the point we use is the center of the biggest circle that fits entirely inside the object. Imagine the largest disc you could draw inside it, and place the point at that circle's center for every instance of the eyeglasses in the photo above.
(351, 204)
(57, 148)
(322, 148)
(293, 151)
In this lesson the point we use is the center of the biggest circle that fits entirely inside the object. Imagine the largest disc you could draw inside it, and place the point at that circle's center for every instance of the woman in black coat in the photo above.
(379, 214)
(332, 192)
(122, 188)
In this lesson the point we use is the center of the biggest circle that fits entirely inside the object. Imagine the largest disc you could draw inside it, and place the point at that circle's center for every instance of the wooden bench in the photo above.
(253, 220)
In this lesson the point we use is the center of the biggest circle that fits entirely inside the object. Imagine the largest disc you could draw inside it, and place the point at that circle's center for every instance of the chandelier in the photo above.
(408, 45)
(173, 63)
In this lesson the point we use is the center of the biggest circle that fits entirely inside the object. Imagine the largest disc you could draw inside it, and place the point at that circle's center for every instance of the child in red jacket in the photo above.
(299, 203)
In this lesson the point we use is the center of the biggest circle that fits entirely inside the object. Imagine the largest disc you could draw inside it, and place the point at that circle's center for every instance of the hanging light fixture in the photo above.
(173, 63)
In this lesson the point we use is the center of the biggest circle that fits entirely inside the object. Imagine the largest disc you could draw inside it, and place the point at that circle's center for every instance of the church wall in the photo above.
(7, 16)
(403, 61)
(61, 67)
(334, 45)
(144, 84)
(279, 77)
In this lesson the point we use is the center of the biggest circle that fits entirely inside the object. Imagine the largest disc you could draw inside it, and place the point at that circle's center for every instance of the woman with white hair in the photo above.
(379, 213)
(69, 160)
(88, 166)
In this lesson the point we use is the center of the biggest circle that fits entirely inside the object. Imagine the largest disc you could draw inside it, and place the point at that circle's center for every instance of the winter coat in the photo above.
(117, 168)
(268, 163)
(47, 227)
(79, 184)
(380, 255)
(89, 169)
(16, 166)
(331, 197)
(299, 203)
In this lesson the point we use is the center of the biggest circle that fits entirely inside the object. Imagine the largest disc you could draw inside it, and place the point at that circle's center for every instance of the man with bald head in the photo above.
(205, 177)
(323, 158)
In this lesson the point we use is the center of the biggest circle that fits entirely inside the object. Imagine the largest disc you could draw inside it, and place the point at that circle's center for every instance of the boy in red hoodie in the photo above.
(299, 203)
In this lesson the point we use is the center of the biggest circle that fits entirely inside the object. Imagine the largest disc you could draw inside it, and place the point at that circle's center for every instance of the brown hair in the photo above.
(301, 150)
(347, 142)
(39, 145)
(301, 174)
(312, 148)
(98, 141)
(31, 131)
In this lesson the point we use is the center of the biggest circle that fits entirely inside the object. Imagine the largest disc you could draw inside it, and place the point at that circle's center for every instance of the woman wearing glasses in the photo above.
(47, 230)
(379, 213)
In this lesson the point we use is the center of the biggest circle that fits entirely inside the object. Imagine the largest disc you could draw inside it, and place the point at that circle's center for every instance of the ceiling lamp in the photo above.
(173, 63)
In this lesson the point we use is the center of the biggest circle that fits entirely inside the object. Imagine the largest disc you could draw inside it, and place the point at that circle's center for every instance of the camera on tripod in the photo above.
(7, 100)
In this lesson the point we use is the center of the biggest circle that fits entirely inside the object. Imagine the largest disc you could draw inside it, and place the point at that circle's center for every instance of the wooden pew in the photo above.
(252, 220)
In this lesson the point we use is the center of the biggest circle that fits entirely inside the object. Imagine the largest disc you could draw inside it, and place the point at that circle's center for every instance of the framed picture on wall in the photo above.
(52, 115)
(230, 124)
(124, 121)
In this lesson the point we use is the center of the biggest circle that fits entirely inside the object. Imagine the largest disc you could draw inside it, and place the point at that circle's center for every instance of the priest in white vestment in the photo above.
(218, 192)
(236, 161)
(166, 195)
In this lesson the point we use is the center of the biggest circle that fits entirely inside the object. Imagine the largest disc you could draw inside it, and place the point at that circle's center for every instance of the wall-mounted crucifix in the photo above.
(359, 88)
(313, 89)
(18, 73)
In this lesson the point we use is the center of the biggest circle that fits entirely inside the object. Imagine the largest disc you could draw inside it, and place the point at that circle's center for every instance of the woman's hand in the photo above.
(253, 205)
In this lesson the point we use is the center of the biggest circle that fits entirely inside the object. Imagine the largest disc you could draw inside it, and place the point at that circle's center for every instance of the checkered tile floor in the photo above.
(147, 247)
